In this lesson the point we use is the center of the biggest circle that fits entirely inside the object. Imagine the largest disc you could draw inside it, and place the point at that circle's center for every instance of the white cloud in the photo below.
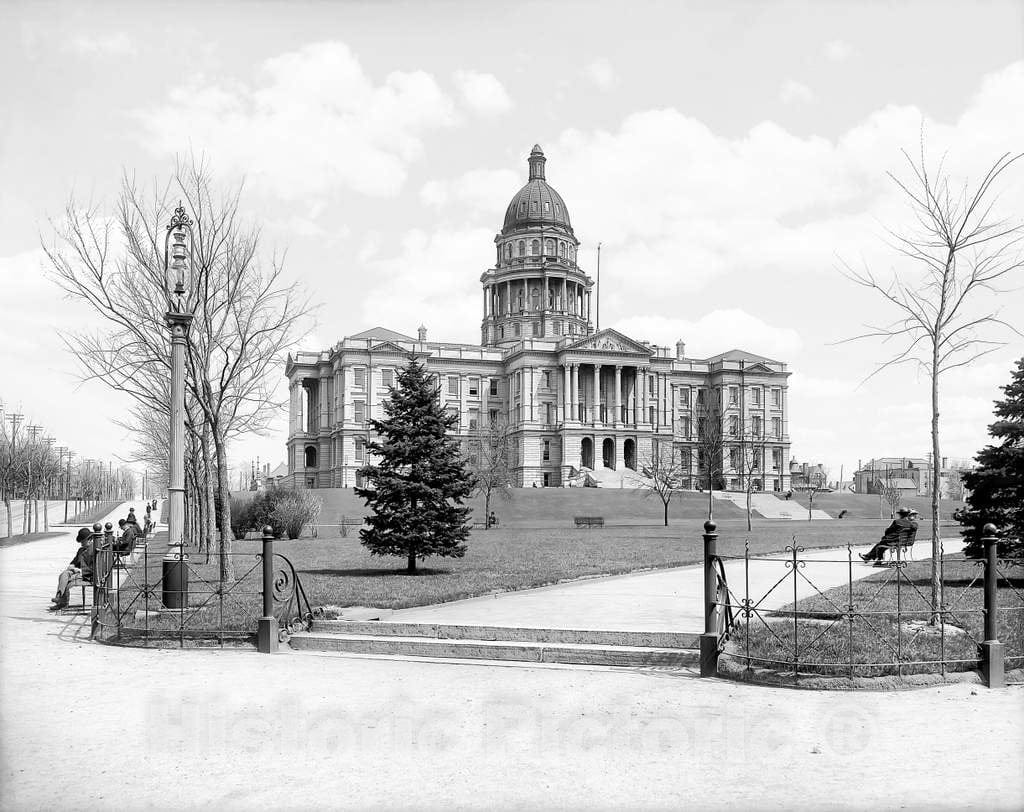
(601, 73)
(479, 191)
(712, 333)
(314, 125)
(837, 50)
(482, 92)
(103, 45)
(793, 92)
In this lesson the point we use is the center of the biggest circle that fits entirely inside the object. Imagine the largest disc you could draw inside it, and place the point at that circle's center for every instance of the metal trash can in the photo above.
(175, 581)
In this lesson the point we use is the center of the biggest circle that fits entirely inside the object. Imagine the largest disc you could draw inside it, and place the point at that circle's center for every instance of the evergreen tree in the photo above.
(997, 485)
(417, 483)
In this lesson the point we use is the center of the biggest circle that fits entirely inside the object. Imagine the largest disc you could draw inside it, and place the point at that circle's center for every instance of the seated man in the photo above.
(83, 562)
(129, 533)
(902, 524)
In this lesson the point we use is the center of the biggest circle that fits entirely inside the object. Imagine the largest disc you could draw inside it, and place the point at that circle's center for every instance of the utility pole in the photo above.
(33, 433)
(15, 422)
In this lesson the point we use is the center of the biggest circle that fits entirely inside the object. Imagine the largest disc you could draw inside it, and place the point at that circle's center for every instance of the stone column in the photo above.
(508, 297)
(618, 395)
(565, 295)
(323, 395)
(597, 393)
(642, 404)
(565, 393)
(574, 391)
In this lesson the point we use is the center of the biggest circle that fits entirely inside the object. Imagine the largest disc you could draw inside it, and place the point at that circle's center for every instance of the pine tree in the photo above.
(997, 485)
(418, 482)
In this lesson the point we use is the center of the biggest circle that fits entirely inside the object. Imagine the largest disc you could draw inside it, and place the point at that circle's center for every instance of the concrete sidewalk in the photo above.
(662, 600)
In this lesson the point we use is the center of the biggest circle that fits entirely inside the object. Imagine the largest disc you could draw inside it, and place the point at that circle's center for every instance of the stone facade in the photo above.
(575, 400)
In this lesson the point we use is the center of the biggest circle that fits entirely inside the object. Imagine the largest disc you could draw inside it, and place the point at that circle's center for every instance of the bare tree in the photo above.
(664, 470)
(245, 314)
(709, 444)
(816, 481)
(752, 446)
(490, 463)
(957, 251)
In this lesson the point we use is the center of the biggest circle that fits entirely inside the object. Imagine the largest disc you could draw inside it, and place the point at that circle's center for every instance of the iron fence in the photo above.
(823, 613)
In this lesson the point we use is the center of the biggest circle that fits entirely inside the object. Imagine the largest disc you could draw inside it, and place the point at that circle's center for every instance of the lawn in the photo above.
(887, 629)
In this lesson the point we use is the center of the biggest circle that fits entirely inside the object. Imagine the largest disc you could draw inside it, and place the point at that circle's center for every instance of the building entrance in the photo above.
(629, 454)
(608, 452)
(587, 453)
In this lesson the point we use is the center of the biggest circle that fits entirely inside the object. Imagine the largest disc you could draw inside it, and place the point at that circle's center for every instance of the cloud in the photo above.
(713, 333)
(837, 50)
(479, 191)
(314, 125)
(103, 45)
(482, 92)
(601, 73)
(793, 92)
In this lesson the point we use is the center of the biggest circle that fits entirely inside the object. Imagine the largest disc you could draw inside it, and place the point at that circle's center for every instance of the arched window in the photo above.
(549, 246)
(535, 297)
(535, 248)
(522, 207)
(561, 248)
(519, 300)
(522, 248)
(547, 206)
(533, 207)
(508, 250)
(572, 253)
(558, 209)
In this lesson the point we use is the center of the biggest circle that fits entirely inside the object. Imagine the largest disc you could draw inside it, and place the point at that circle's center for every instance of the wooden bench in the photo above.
(589, 521)
(905, 543)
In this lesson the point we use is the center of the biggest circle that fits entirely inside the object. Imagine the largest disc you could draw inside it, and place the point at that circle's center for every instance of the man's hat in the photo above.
(903, 511)
(913, 513)
(84, 534)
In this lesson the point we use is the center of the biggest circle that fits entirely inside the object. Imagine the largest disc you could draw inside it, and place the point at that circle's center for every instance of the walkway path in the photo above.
(330, 731)
(662, 600)
(55, 509)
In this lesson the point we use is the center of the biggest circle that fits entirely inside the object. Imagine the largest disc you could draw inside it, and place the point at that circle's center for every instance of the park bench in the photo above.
(904, 544)
(589, 521)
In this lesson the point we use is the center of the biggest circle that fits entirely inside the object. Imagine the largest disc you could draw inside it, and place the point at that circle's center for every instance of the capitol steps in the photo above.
(499, 643)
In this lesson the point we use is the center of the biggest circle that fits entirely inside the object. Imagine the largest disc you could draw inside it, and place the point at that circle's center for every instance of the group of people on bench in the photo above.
(84, 562)
(900, 534)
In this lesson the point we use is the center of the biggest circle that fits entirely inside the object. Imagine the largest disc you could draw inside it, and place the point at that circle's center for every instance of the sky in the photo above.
(731, 158)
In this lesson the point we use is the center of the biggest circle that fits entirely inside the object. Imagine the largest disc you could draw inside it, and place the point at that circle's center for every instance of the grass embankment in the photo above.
(887, 629)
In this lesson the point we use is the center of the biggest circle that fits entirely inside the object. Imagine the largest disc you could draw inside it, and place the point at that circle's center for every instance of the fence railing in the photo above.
(148, 598)
(804, 614)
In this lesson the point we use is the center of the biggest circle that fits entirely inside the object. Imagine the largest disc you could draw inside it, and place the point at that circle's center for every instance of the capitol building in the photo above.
(581, 406)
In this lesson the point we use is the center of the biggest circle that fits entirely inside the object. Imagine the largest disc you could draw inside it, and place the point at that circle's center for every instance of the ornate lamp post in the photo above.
(178, 252)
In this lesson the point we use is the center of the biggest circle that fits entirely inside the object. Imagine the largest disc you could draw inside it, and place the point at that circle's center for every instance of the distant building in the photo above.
(581, 404)
(911, 475)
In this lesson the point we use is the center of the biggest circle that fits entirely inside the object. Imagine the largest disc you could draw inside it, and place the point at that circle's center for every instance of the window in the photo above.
(387, 377)
(360, 442)
(549, 246)
(777, 427)
(756, 425)
(733, 395)
(556, 328)
(359, 411)
(776, 397)
(561, 249)
(685, 426)
(535, 248)
(519, 383)
(650, 384)
(492, 416)
(474, 387)
(549, 413)
(522, 207)
(547, 378)
(734, 458)
(536, 328)
(684, 397)
(517, 329)
(453, 414)
(547, 450)
(701, 397)
(777, 459)
(453, 385)
(474, 419)
(547, 206)
(733, 421)
(558, 209)
(533, 207)
(359, 377)
(755, 395)
(650, 415)
(493, 387)
(508, 250)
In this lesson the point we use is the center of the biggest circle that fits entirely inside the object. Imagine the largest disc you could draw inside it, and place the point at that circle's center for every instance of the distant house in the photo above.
(911, 475)
(273, 479)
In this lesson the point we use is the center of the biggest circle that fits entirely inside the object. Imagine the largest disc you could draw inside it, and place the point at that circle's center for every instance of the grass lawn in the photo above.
(23, 538)
(888, 625)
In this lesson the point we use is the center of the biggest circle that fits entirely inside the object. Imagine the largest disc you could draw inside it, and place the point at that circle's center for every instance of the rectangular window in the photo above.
(685, 422)
(536, 328)
(777, 459)
(519, 383)
(474, 387)
(474, 419)
(733, 395)
(387, 377)
(359, 377)
(755, 395)
(756, 425)
(733, 425)
(492, 416)
(701, 397)
(776, 397)
(547, 378)
(734, 458)
(650, 415)
(453, 385)
(547, 450)
(777, 427)
(454, 413)
(684, 396)
(359, 449)
(493, 384)
(359, 411)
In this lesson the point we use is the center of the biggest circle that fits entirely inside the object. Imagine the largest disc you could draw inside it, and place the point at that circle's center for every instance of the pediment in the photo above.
(759, 368)
(389, 346)
(611, 341)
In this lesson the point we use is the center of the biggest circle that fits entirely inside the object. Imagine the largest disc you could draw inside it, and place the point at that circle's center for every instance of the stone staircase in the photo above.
(769, 506)
(569, 646)
(621, 478)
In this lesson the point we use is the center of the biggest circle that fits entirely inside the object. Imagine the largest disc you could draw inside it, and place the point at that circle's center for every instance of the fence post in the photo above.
(709, 639)
(266, 632)
(992, 651)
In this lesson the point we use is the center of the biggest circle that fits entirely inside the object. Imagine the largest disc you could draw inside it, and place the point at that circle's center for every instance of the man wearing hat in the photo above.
(904, 523)
(82, 562)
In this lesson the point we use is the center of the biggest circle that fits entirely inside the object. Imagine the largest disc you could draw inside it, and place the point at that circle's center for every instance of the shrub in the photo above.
(294, 510)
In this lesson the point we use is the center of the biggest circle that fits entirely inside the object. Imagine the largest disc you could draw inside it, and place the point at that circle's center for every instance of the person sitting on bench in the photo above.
(129, 533)
(903, 523)
(83, 563)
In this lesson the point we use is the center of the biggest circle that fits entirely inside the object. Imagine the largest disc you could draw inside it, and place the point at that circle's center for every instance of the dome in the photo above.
(537, 203)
